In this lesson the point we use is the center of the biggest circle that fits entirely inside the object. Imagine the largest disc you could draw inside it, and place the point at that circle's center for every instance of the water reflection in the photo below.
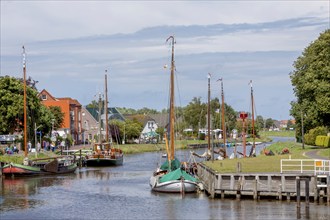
(124, 193)
(17, 193)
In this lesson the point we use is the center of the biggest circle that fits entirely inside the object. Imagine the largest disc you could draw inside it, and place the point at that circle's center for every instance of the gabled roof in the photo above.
(45, 92)
(143, 119)
(113, 113)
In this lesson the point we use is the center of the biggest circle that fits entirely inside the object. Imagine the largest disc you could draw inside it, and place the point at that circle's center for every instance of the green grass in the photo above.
(18, 158)
(277, 133)
(261, 163)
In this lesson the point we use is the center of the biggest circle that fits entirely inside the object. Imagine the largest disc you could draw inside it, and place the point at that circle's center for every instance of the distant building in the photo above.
(71, 108)
(149, 126)
(90, 119)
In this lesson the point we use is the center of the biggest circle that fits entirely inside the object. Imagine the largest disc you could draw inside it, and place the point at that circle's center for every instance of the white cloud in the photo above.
(70, 44)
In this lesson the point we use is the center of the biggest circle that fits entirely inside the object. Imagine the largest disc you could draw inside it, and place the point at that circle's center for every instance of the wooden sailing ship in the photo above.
(170, 177)
(40, 166)
(103, 153)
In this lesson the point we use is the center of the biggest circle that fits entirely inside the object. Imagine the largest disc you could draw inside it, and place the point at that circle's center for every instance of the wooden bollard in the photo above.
(239, 167)
(255, 189)
(307, 192)
(328, 192)
(298, 190)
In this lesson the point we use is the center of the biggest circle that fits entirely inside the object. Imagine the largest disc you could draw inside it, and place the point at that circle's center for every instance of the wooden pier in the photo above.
(256, 186)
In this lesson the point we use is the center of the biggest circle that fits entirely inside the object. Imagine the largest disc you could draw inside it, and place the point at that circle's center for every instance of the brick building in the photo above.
(71, 108)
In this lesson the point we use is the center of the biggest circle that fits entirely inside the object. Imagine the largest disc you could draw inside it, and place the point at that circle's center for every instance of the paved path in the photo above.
(313, 154)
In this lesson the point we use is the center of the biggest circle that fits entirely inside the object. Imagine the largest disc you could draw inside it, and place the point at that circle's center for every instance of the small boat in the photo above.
(171, 177)
(103, 153)
(40, 166)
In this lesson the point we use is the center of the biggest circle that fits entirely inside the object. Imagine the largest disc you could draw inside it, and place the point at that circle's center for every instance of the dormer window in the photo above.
(43, 97)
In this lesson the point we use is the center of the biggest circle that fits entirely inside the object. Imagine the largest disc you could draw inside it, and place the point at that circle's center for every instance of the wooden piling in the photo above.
(258, 185)
(255, 189)
(298, 190)
(307, 191)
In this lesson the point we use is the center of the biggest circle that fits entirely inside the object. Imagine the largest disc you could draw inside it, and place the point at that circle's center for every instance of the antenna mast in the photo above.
(24, 103)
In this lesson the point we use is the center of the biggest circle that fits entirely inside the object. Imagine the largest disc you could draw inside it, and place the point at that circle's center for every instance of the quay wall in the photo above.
(256, 186)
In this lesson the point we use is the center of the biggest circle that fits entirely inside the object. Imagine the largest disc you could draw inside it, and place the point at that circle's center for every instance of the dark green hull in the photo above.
(104, 162)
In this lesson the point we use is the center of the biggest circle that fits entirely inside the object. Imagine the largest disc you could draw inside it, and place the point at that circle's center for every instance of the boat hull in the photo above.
(173, 186)
(103, 162)
(17, 170)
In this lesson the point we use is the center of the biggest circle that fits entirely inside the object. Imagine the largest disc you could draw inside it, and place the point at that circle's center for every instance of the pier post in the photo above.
(239, 167)
(328, 191)
(280, 192)
(298, 191)
(307, 192)
(255, 188)
(316, 191)
(238, 190)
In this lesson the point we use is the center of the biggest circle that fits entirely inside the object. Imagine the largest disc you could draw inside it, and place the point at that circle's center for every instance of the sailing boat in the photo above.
(170, 177)
(253, 148)
(40, 166)
(103, 153)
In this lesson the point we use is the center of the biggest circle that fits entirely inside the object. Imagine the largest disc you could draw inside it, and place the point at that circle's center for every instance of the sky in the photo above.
(70, 45)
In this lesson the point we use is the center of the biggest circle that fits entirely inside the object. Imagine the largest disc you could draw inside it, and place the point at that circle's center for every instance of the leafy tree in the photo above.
(12, 108)
(311, 82)
(58, 116)
(194, 114)
(269, 123)
(260, 123)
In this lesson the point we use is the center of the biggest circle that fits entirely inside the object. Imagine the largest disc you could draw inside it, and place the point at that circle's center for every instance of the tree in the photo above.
(58, 116)
(311, 82)
(260, 123)
(194, 114)
(12, 108)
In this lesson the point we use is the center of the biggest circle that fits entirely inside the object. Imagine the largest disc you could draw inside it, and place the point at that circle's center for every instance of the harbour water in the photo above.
(123, 193)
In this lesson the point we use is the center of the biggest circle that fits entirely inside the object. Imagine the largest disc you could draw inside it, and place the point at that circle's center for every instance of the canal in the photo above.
(123, 193)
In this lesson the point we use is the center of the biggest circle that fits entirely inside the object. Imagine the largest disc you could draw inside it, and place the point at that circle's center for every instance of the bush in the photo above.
(201, 136)
(319, 141)
(326, 142)
(310, 137)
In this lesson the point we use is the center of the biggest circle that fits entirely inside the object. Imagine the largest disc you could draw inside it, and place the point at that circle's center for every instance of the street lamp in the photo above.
(35, 135)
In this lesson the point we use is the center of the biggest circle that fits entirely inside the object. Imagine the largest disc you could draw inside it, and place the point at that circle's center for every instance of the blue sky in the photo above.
(70, 44)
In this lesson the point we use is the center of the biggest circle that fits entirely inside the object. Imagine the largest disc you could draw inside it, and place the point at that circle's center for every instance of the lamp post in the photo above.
(35, 136)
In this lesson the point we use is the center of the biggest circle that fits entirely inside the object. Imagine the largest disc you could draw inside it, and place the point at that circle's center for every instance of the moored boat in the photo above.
(103, 153)
(171, 177)
(42, 166)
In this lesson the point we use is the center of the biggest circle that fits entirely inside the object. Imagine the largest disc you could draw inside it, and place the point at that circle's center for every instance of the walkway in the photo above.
(313, 154)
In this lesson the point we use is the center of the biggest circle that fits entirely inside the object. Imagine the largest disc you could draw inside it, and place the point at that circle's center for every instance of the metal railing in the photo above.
(305, 166)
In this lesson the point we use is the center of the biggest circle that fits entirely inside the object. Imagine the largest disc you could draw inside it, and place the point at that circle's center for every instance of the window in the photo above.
(43, 97)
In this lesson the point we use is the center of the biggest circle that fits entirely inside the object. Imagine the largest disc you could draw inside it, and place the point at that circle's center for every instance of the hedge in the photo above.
(322, 141)
(326, 142)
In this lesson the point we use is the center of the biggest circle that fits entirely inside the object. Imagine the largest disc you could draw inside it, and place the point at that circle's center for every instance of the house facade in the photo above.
(72, 123)
(90, 120)
(149, 126)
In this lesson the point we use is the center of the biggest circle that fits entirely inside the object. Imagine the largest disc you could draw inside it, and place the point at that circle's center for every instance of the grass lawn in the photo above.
(262, 163)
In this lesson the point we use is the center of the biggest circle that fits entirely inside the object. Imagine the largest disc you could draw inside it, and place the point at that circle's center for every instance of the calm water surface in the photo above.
(123, 193)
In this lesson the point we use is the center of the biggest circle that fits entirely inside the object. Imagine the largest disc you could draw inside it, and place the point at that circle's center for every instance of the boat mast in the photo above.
(106, 109)
(24, 104)
(223, 118)
(100, 109)
(172, 118)
(208, 113)
(253, 131)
